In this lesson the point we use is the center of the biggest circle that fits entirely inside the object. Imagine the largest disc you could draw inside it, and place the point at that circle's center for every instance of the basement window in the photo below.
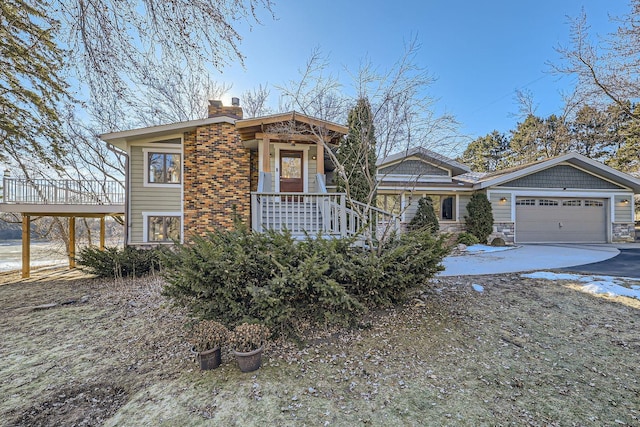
(163, 228)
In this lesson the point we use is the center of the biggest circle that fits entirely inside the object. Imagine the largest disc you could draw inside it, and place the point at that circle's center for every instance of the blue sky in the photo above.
(480, 52)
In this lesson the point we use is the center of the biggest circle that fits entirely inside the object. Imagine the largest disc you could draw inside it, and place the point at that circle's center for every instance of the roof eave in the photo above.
(121, 138)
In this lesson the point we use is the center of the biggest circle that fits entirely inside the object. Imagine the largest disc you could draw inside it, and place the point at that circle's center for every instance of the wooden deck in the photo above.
(60, 198)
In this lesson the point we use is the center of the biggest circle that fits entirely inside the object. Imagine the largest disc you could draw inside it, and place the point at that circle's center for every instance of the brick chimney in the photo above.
(216, 109)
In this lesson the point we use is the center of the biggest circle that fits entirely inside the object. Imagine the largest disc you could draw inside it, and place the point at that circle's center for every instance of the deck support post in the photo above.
(102, 233)
(26, 246)
(72, 242)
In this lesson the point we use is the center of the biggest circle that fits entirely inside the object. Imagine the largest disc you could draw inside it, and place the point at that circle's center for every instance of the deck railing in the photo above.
(329, 214)
(62, 192)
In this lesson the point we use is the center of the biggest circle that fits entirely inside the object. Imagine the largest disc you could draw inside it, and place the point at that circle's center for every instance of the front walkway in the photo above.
(527, 258)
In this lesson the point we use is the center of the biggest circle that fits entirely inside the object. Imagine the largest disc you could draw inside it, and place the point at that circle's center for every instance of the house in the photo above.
(195, 176)
(566, 199)
(271, 172)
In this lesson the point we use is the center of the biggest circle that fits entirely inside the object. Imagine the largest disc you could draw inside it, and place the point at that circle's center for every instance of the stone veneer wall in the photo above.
(623, 232)
(217, 177)
(504, 230)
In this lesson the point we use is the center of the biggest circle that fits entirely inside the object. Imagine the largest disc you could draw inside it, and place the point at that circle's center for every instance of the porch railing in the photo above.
(329, 214)
(62, 192)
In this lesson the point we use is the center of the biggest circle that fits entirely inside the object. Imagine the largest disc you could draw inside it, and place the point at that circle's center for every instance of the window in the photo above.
(593, 203)
(572, 203)
(525, 202)
(389, 203)
(446, 212)
(164, 168)
(163, 228)
(547, 202)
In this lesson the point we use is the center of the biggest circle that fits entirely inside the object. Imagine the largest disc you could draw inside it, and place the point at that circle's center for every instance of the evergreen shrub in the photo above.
(425, 217)
(118, 262)
(467, 239)
(479, 221)
(237, 276)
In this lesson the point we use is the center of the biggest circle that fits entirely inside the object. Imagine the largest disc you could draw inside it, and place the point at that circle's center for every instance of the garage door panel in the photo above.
(558, 223)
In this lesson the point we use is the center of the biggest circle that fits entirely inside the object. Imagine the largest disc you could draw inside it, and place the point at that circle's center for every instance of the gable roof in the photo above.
(247, 128)
(593, 166)
(428, 156)
(119, 139)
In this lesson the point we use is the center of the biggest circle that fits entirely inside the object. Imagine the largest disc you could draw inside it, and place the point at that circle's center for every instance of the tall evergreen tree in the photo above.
(488, 153)
(30, 83)
(357, 156)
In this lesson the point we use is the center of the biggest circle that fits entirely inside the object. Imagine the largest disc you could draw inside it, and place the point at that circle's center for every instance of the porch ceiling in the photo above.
(259, 127)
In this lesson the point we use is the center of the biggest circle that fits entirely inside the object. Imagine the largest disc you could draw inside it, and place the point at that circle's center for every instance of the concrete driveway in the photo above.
(527, 258)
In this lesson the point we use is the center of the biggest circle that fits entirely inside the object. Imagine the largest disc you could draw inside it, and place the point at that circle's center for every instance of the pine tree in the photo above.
(479, 222)
(425, 217)
(357, 155)
(30, 83)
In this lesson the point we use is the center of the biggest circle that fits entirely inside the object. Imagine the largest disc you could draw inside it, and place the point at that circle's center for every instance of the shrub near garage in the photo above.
(237, 276)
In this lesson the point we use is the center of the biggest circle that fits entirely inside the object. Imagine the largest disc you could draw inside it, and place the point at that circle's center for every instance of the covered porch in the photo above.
(292, 155)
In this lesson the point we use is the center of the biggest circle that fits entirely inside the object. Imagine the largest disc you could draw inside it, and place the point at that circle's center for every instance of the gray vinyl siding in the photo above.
(412, 207)
(622, 211)
(562, 176)
(413, 167)
(464, 200)
(501, 210)
(148, 199)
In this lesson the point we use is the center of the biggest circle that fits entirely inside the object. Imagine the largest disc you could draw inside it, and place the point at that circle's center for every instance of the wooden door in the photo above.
(291, 172)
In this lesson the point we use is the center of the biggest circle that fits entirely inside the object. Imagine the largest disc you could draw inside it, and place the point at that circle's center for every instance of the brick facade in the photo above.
(217, 176)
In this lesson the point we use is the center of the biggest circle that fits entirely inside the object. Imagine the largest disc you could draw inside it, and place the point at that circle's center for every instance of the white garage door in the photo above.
(546, 220)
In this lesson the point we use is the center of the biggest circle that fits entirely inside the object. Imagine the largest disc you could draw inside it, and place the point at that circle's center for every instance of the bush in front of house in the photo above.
(479, 221)
(237, 276)
(118, 262)
(425, 217)
(467, 239)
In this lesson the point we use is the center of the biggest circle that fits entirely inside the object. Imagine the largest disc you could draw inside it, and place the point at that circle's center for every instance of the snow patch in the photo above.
(477, 288)
(486, 248)
(611, 286)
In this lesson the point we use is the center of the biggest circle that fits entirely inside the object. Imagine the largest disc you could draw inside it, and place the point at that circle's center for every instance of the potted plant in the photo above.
(207, 338)
(248, 341)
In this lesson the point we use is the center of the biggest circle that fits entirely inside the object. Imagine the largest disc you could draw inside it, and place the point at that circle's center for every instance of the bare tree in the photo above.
(402, 111)
(255, 102)
(607, 67)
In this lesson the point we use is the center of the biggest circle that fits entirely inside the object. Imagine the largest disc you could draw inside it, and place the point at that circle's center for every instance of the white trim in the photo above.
(145, 223)
(305, 163)
(182, 188)
(161, 149)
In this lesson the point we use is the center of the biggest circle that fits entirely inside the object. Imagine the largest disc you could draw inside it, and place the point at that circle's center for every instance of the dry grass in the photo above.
(523, 352)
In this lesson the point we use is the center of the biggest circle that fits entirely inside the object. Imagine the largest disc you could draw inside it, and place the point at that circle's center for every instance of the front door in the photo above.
(291, 172)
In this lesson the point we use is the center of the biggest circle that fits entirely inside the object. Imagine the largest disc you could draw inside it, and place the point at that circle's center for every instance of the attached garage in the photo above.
(560, 220)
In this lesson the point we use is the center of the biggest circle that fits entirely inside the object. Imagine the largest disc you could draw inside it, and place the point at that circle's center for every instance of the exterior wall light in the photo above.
(503, 199)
